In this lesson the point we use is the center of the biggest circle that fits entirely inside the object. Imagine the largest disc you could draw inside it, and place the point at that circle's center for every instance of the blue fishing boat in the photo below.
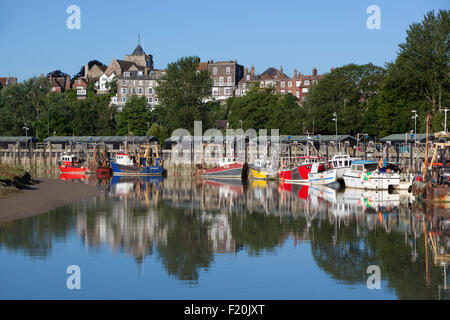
(129, 164)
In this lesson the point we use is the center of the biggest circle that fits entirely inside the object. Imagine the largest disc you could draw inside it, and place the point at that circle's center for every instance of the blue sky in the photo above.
(298, 34)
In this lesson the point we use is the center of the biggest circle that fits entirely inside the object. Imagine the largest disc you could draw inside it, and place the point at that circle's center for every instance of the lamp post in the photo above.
(26, 135)
(445, 119)
(335, 120)
(415, 123)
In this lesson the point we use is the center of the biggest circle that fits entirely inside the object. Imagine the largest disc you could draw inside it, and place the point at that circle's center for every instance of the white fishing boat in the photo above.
(369, 175)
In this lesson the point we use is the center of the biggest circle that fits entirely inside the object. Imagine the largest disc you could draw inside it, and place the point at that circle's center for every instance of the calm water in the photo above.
(185, 239)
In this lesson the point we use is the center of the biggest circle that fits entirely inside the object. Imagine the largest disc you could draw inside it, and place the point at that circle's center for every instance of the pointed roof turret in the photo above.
(138, 51)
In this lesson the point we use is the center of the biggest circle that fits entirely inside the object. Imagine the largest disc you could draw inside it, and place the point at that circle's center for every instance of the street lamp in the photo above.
(415, 123)
(335, 120)
(26, 135)
(445, 121)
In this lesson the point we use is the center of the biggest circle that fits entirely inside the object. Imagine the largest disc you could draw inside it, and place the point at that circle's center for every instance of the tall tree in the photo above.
(419, 77)
(182, 93)
(134, 117)
(349, 91)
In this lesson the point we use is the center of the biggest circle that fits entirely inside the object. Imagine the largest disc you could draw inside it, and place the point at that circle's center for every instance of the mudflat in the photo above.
(43, 196)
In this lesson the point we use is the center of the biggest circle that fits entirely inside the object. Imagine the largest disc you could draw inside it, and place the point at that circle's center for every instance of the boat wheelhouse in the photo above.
(137, 164)
(341, 162)
(262, 169)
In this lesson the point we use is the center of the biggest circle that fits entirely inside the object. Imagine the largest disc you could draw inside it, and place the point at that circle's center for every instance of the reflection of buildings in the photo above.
(219, 234)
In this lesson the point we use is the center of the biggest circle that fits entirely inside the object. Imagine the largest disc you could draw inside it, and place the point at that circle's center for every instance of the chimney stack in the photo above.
(67, 83)
(281, 69)
(295, 73)
(86, 69)
(314, 71)
(252, 70)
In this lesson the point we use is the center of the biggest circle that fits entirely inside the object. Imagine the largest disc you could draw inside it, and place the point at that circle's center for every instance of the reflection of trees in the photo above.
(35, 236)
(345, 255)
(186, 249)
(263, 233)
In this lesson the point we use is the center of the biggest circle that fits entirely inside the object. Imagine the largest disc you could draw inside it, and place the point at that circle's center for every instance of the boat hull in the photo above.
(232, 171)
(295, 175)
(258, 174)
(375, 181)
(323, 178)
(119, 169)
(70, 169)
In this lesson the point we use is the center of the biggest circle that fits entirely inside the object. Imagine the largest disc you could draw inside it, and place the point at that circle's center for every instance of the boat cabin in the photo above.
(341, 161)
(124, 159)
(228, 161)
(69, 159)
(364, 166)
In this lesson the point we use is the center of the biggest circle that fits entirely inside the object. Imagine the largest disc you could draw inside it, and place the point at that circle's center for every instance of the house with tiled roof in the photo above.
(5, 81)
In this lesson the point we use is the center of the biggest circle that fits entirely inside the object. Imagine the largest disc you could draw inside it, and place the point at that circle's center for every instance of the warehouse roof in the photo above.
(98, 139)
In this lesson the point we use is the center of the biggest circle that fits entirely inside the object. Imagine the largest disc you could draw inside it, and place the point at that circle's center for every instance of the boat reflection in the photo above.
(185, 223)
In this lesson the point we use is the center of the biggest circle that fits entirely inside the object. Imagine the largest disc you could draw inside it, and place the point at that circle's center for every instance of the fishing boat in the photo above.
(70, 163)
(370, 175)
(262, 169)
(229, 167)
(126, 163)
(100, 161)
(299, 173)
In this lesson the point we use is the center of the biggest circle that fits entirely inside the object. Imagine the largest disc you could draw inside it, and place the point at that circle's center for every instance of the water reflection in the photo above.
(186, 223)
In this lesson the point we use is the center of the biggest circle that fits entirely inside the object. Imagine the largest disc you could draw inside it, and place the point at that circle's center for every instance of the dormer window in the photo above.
(126, 74)
(140, 73)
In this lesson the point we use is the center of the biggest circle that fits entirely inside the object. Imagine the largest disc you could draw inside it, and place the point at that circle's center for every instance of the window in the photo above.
(282, 84)
(298, 83)
(126, 74)
(228, 70)
(283, 92)
(220, 80)
(247, 77)
(140, 73)
(304, 89)
(229, 81)
(150, 99)
(297, 94)
(124, 100)
(124, 90)
(227, 91)
(150, 90)
(306, 82)
(140, 82)
(215, 91)
(244, 85)
(214, 70)
(124, 82)
(290, 84)
(261, 85)
(289, 91)
(140, 91)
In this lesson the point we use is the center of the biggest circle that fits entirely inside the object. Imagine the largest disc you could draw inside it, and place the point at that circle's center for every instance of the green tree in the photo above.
(265, 110)
(349, 91)
(182, 93)
(134, 117)
(419, 77)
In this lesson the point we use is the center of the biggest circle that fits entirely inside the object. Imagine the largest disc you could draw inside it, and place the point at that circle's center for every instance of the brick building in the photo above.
(5, 81)
(226, 75)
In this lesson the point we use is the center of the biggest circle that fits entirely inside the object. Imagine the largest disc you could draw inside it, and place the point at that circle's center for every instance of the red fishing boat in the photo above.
(229, 167)
(69, 163)
(299, 173)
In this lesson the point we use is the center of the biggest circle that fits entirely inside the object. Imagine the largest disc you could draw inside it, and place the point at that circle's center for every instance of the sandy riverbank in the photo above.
(43, 196)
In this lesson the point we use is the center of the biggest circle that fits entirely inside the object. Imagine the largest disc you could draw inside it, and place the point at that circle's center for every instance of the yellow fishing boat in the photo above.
(261, 170)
